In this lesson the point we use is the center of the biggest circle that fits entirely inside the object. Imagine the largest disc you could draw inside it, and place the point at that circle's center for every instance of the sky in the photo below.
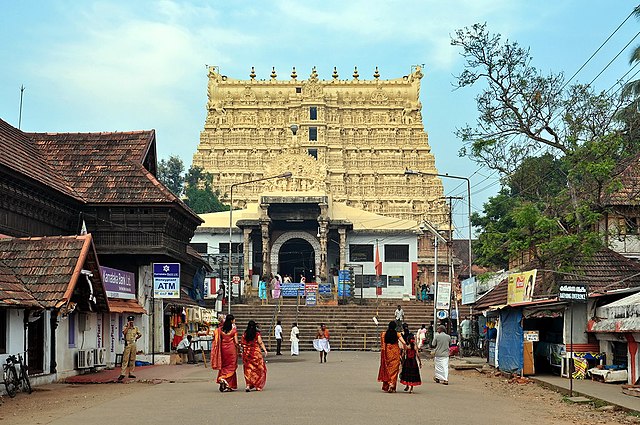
(122, 65)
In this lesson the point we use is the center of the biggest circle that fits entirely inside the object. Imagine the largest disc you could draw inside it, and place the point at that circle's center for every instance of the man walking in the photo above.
(441, 342)
(278, 335)
(131, 335)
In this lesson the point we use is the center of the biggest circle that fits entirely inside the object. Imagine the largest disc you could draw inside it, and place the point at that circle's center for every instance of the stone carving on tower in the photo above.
(355, 138)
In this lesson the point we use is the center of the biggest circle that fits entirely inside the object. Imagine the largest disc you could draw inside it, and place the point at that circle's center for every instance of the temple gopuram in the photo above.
(350, 138)
(344, 145)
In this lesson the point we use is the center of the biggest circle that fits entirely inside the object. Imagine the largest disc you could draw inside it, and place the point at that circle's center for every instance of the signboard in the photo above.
(533, 336)
(573, 292)
(520, 287)
(371, 281)
(442, 314)
(235, 279)
(311, 291)
(344, 290)
(396, 280)
(443, 296)
(118, 283)
(324, 289)
(290, 289)
(469, 290)
(166, 280)
(343, 276)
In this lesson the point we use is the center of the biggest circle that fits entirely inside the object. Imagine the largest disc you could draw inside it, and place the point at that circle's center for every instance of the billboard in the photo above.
(443, 296)
(166, 280)
(521, 286)
(469, 291)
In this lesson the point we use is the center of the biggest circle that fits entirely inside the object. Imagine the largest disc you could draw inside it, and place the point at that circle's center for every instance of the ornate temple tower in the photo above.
(354, 140)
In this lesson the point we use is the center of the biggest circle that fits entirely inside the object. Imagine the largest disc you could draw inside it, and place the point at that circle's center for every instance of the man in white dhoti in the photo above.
(321, 343)
(294, 339)
(441, 342)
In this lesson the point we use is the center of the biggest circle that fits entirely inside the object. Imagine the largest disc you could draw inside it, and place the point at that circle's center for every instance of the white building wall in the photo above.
(15, 333)
(388, 268)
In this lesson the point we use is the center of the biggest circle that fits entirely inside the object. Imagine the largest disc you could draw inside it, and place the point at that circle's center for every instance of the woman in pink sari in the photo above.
(224, 354)
(253, 364)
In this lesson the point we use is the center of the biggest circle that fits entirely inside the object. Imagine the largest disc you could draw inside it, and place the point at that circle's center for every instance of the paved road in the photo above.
(303, 391)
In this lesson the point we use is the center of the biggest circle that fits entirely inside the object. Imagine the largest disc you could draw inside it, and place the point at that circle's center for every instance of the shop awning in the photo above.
(117, 305)
(622, 325)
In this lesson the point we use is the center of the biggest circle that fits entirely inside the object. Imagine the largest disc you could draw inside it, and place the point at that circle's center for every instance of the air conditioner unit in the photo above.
(100, 357)
(85, 359)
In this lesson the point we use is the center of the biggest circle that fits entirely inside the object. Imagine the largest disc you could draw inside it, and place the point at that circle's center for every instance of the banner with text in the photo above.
(443, 296)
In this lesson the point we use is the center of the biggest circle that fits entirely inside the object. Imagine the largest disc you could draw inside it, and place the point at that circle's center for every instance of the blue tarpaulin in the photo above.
(510, 341)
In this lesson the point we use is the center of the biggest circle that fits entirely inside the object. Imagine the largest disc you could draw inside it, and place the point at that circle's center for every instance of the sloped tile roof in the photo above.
(117, 305)
(605, 271)
(629, 178)
(19, 153)
(104, 167)
(496, 296)
(12, 292)
(48, 266)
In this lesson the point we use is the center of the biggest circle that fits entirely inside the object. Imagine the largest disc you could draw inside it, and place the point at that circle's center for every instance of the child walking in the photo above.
(410, 375)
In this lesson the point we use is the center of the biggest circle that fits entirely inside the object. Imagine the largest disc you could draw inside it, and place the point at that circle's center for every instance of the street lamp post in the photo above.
(409, 172)
(284, 175)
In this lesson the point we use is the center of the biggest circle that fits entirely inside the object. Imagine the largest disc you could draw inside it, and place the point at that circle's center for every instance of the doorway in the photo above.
(35, 346)
(296, 258)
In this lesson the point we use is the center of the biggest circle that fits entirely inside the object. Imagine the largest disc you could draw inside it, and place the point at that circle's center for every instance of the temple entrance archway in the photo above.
(296, 253)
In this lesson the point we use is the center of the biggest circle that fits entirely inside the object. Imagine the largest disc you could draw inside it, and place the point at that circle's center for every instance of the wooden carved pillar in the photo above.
(343, 247)
(266, 243)
(248, 260)
(323, 230)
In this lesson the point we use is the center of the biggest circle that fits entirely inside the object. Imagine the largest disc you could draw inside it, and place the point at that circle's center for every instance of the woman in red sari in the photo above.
(224, 354)
(390, 358)
(255, 368)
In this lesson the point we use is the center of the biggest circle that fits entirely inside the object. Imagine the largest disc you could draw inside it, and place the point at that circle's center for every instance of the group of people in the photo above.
(294, 338)
(399, 354)
(273, 283)
(225, 347)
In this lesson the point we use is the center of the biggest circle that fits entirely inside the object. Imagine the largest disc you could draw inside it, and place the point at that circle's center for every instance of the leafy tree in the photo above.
(170, 173)
(557, 147)
(200, 196)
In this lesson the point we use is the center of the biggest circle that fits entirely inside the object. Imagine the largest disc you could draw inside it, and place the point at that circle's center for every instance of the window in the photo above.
(313, 134)
(236, 247)
(360, 253)
(3, 331)
(396, 253)
(298, 89)
(313, 113)
(313, 153)
(72, 330)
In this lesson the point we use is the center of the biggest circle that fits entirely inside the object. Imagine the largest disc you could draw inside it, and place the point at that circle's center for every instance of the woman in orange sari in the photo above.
(224, 354)
(253, 364)
(390, 358)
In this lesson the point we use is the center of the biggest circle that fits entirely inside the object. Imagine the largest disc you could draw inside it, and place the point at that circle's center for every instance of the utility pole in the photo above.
(450, 256)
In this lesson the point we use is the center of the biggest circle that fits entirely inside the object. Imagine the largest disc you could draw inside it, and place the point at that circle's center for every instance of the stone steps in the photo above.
(351, 326)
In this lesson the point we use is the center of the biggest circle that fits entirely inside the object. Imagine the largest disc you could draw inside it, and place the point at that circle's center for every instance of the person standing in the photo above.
(294, 338)
(465, 328)
(410, 375)
(423, 292)
(421, 336)
(399, 315)
(131, 335)
(224, 354)
(321, 343)
(390, 355)
(278, 335)
(184, 347)
(253, 364)
(262, 290)
(441, 342)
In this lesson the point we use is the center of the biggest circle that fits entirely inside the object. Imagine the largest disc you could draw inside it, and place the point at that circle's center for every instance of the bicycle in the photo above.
(16, 376)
